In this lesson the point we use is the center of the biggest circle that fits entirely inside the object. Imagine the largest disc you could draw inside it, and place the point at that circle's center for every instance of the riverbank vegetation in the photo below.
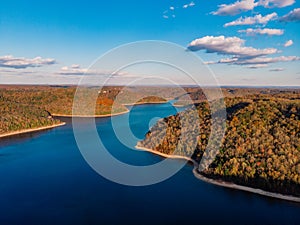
(261, 145)
(27, 107)
(17, 116)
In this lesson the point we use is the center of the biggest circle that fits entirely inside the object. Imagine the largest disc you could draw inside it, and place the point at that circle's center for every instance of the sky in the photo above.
(243, 42)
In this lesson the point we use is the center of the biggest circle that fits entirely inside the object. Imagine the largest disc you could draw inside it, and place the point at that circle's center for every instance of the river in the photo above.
(45, 180)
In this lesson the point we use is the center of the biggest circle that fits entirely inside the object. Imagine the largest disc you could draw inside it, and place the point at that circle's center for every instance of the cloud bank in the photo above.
(266, 60)
(75, 69)
(258, 19)
(235, 8)
(266, 31)
(22, 63)
(276, 3)
(240, 54)
(254, 63)
(277, 70)
(293, 16)
(247, 5)
(228, 46)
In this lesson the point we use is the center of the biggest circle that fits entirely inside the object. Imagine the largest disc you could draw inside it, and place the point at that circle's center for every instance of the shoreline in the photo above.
(220, 182)
(165, 155)
(108, 115)
(31, 130)
(71, 116)
(89, 116)
(144, 103)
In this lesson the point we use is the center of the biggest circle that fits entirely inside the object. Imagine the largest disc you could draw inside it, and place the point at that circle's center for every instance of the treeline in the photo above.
(17, 116)
(26, 107)
(261, 146)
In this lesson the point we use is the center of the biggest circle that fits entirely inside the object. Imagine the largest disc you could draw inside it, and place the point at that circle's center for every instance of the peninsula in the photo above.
(260, 149)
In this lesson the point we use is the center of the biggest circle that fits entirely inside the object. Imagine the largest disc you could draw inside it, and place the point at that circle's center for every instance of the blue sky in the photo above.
(244, 42)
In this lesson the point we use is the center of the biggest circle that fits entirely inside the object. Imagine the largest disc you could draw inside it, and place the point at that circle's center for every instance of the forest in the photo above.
(260, 148)
(261, 145)
(27, 107)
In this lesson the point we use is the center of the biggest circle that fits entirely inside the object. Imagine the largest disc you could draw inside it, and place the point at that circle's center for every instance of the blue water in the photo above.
(45, 180)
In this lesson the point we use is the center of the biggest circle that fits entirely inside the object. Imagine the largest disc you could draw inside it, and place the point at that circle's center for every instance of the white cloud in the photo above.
(221, 61)
(229, 60)
(240, 55)
(254, 63)
(191, 4)
(209, 62)
(257, 66)
(265, 31)
(258, 62)
(73, 70)
(276, 3)
(292, 16)
(65, 68)
(75, 66)
(288, 43)
(258, 19)
(246, 5)
(76, 70)
(228, 46)
(170, 12)
(267, 60)
(22, 63)
(235, 8)
(276, 69)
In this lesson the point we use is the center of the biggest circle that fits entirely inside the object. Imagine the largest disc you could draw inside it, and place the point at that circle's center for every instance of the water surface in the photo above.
(45, 180)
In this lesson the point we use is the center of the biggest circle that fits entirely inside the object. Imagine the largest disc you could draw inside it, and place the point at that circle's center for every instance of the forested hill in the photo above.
(17, 116)
(261, 146)
(28, 107)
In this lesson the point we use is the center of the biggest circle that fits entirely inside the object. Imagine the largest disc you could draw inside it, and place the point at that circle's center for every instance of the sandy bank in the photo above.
(89, 116)
(107, 115)
(220, 182)
(144, 103)
(31, 130)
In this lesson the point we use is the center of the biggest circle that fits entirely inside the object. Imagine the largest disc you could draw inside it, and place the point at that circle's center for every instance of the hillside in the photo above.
(28, 107)
(261, 146)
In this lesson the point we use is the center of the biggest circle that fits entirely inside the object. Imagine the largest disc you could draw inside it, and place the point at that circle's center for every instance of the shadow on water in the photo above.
(20, 138)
